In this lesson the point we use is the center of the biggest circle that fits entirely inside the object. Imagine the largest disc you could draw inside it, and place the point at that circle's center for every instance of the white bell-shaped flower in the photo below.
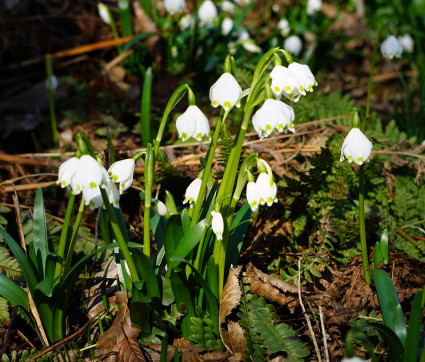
(122, 173)
(174, 6)
(274, 116)
(89, 174)
(226, 92)
(159, 207)
(253, 196)
(293, 45)
(228, 6)
(406, 42)
(267, 190)
(66, 171)
(283, 26)
(207, 13)
(93, 197)
(192, 192)
(313, 6)
(352, 359)
(391, 48)
(217, 224)
(103, 13)
(187, 22)
(285, 82)
(243, 35)
(51, 83)
(305, 76)
(226, 26)
(192, 123)
(356, 147)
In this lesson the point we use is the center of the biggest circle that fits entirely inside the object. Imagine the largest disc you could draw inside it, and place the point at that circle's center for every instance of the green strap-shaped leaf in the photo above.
(147, 273)
(40, 232)
(390, 304)
(396, 350)
(27, 270)
(414, 329)
(13, 292)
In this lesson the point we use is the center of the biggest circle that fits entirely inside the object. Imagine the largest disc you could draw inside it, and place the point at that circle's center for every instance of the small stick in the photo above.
(325, 343)
(26, 339)
(310, 328)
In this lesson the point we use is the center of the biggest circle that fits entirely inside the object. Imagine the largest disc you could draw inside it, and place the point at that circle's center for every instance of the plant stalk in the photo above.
(363, 243)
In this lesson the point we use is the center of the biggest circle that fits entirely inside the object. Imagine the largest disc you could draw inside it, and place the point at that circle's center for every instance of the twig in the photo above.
(7, 336)
(310, 328)
(325, 343)
(29, 187)
(25, 339)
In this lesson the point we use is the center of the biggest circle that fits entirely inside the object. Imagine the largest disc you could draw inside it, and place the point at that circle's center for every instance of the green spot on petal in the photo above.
(184, 136)
(268, 127)
(64, 183)
(226, 104)
(288, 88)
(215, 104)
(359, 159)
(350, 158)
(92, 185)
(115, 178)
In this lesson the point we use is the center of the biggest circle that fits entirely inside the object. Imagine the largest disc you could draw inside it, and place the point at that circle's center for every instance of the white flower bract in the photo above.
(356, 147)
(226, 26)
(274, 116)
(207, 13)
(174, 6)
(226, 92)
(122, 172)
(192, 123)
(267, 191)
(283, 26)
(217, 224)
(192, 192)
(391, 48)
(293, 44)
(406, 42)
(313, 6)
(252, 196)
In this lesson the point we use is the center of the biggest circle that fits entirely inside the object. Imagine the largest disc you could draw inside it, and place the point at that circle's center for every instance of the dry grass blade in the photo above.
(119, 341)
(271, 288)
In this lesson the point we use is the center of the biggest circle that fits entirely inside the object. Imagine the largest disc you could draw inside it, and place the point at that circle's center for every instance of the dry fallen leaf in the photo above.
(119, 341)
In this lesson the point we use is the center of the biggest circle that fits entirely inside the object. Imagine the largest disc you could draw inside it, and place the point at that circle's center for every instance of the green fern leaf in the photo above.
(8, 264)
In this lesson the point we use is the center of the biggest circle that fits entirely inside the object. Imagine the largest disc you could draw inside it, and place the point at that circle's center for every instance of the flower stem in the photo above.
(149, 170)
(372, 67)
(120, 237)
(74, 237)
(49, 71)
(64, 235)
(365, 256)
(211, 152)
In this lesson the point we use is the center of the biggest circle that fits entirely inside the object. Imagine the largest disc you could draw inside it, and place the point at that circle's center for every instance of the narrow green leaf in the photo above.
(45, 287)
(413, 331)
(384, 246)
(40, 232)
(145, 112)
(377, 255)
(27, 271)
(396, 350)
(13, 292)
(389, 303)
(147, 274)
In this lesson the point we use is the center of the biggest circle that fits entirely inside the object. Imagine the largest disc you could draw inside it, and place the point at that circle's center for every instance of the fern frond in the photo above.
(225, 146)
(8, 264)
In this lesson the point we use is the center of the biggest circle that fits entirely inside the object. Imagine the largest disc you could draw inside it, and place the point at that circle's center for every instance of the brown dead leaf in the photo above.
(273, 289)
(186, 353)
(119, 341)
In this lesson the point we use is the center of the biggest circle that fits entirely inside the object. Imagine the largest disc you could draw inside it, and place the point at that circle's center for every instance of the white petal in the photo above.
(356, 147)
(67, 171)
(90, 174)
(391, 48)
(217, 224)
(226, 92)
(122, 172)
(192, 192)
(207, 13)
(174, 6)
(293, 44)
(252, 196)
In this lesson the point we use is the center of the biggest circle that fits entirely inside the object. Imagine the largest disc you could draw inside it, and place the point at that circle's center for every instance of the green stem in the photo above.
(119, 236)
(74, 237)
(64, 235)
(149, 170)
(372, 67)
(201, 248)
(207, 170)
(365, 256)
(49, 71)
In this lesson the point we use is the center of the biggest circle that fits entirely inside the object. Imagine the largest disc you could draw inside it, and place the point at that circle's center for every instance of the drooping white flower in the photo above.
(226, 26)
(192, 123)
(67, 171)
(217, 224)
(89, 174)
(313, 6)
(293, 45)
(207, 13)
(103, 13)
(352, 359)
(159, 207)
(174, 6)
(356, 147)
(285, 82)
(252, 196)
(228, 6)
(248, 43)
(283, 26)
(406, 42)
(304, 74)
(192, 192)
(52, 82)
(122, 172)
(243, 35)
(391, 48)
(273, 116)
(266, 190)
(226, 92)
(187, 22)
(93, 197)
